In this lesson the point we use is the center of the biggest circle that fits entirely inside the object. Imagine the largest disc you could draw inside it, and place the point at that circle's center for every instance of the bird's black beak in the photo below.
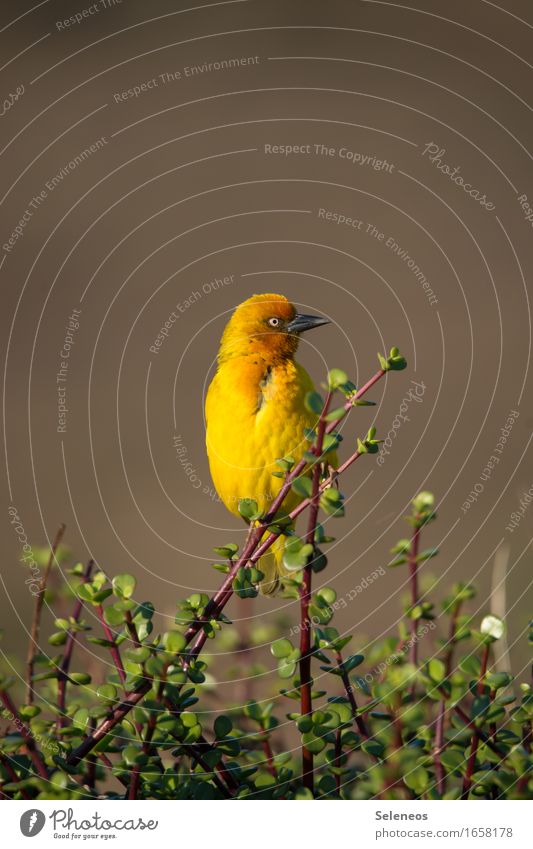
(305, 322)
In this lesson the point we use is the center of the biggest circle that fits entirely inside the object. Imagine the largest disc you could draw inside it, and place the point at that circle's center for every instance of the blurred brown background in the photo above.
(179, 194)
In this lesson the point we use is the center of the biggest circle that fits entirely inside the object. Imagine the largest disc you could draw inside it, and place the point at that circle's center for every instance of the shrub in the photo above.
(424, 716)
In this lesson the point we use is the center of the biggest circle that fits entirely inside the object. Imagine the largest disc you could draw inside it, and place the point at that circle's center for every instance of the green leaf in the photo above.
(113, 617)
(59, 638)
(137, 655)
(319, 561)
(369, 445)
(330, 442)
(302, 793)
(353, 661)
(427, 554)
(417, 779)
(374, 748)
(496, 680)
(101, 596)
(480, 705)
(341, 708)
(189, 719)
(327, 594)
(175, 642)
(397, 561)
(331, 502)
(312, 743)
(221, 567)
(281, 648)
(81, 719)
(253, 710)
(130, 755)
(394, 362)
(401, 547)
(471, 665)
(228, 550)
(296, 554)
(100, 641)
(107, 692)
(85, 592)
(303, 486)
(453, 759)
(29, 711)
(249, 509)
(286, 668)
(424, 502)
(198, 600)
(337, 378)
(336, 415)
(222, 726)
(124, 585)
(286, 463)
(436, 670)
(80, 678)
(397, 362)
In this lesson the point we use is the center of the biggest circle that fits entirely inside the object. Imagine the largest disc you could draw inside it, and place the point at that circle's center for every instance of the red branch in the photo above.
(306, 704)
(36, 621)
(62, 676)
(413, 572)
(113, 648)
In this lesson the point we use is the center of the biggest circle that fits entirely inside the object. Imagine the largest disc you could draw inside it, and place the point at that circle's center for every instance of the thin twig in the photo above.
(117, 715)
(483, 670)
(33, 646)
(306, 703)
(338, 756)
(133, 788)
(440, 772)
(471, 763)
(481, 734)
(113, 648)
(470, 766)
(216, 780)
(269, 757)
(62, 676)
(91, 764)
(348, 689)
(132, 630)
(225, 774)
(527, 740)
(413, 573)
(107, 763)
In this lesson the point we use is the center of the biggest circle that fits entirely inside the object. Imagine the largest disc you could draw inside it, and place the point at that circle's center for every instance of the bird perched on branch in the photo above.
(255, 410)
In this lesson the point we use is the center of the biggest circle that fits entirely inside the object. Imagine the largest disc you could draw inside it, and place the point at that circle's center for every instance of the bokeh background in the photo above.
(180, 207)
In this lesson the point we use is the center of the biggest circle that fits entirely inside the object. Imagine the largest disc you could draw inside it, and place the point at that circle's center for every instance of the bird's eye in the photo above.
(274, 322)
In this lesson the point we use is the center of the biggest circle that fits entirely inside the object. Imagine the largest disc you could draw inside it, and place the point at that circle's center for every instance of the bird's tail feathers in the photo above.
(271, 565)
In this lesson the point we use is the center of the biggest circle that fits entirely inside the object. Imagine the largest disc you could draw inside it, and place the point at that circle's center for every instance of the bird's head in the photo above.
(267, 325)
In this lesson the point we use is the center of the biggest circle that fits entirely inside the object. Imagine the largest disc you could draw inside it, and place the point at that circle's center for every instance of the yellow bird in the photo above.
(255, 410)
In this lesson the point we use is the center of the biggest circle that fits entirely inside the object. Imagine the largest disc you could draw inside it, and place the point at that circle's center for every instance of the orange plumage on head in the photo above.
(252, 329)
